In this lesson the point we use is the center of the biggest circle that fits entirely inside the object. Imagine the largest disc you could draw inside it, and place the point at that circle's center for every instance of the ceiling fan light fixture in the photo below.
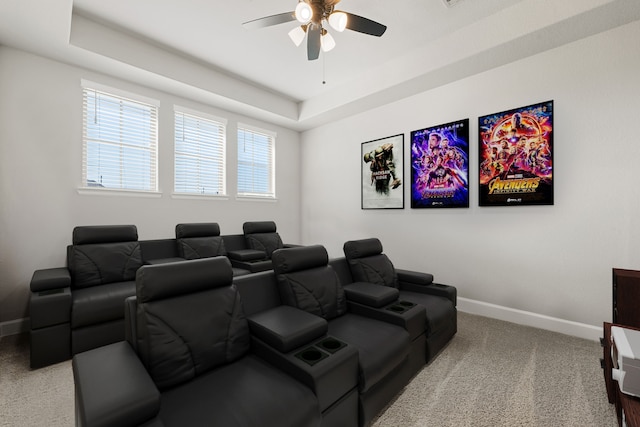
(297, 35)
(303, 12)
(327, 42)
(338, 21)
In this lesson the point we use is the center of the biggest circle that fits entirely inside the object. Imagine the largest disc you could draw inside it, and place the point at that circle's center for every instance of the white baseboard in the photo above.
(13, 327)
(528, 318)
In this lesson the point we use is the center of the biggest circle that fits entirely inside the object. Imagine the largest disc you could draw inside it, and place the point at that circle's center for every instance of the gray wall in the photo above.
(40, 173)
(548, 266)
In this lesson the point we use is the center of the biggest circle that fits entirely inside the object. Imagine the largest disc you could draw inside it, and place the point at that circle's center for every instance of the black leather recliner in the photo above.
(193, 364)
(368, 263)
(262, 236)
(80, 307)
(260, 240)
(202, 240)
(307, 282)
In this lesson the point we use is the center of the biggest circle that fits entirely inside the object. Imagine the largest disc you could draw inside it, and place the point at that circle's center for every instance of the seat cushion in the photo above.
(98, 304)
(441, 312)
(382, 347)
(248, 392)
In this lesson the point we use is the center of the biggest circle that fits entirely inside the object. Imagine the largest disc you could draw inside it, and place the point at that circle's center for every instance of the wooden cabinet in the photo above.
(626, 297)
(626, 313)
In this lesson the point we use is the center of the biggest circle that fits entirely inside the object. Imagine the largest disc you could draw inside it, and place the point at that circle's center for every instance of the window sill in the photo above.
(199, 196)
(256, 199)
(110, 192)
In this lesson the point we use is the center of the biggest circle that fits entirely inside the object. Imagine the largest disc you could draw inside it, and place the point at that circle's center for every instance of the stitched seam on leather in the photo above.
(193, 364)
(227, 339)
(310, 293)
(192, 251)
(92, 262)
(129, 260)
(372, 272)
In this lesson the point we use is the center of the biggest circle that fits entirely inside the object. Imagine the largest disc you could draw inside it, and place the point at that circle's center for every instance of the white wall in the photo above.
(550, 261)
(40, 172)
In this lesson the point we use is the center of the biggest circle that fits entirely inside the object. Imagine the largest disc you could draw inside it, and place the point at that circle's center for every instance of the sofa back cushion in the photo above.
(368, 264)
(262, 236)
(306, 281)
(189, 319)
(103, 254)
(199, 240)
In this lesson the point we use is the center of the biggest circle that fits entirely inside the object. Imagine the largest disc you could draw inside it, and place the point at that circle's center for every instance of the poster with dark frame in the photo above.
(516, 156)
(440, 166)
(382, 164)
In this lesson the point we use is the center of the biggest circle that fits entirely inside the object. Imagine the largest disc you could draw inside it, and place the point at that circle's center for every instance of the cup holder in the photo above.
(331, 345)
(407, 304)
(400, 306)
(397, 308)
(311, 355)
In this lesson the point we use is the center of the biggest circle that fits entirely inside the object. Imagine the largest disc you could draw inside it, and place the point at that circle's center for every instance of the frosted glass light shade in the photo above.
(327, 42)
(338, 21)
(304, 13)
(297, 35)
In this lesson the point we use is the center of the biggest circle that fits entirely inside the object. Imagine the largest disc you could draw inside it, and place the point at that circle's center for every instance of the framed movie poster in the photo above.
(382, 163)
(516, 156)
(440, 166)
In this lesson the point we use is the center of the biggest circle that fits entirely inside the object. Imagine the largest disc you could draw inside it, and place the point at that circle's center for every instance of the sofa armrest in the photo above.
(112, 387)
(437, 289)
(247, 255)
(50, 279)
(414, 277)
(370, 294)
(291, 245)
(286, 328)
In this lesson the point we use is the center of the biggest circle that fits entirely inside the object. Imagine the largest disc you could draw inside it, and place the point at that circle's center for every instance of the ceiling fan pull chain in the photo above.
(323, 70)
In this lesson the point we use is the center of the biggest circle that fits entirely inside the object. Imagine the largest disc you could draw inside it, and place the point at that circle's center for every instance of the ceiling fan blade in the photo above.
(313, 42)
(268, 21)
(364, 25)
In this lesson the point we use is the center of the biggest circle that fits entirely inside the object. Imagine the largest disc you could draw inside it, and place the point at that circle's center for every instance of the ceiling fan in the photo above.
(312, 16)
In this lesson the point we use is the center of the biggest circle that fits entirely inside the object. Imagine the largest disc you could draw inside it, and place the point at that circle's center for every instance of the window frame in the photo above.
(223, 158)
(127, 97)
(272, 138)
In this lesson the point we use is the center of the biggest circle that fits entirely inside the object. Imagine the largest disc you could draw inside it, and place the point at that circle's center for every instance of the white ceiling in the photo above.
(200, 49)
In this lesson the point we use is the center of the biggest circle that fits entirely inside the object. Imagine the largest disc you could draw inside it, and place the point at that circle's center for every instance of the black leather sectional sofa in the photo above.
(312, 342)
(79, 307)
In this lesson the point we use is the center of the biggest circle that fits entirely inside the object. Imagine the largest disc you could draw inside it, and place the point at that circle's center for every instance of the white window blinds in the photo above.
(256, 162)
(119, 142)
(199, 153)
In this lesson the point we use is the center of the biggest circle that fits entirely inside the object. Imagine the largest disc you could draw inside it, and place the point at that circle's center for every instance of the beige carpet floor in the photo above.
(495, 373)
(492, 374)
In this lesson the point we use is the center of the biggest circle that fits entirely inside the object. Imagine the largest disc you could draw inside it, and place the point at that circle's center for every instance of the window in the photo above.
(256, 162)
(119, 141)
(199, 153)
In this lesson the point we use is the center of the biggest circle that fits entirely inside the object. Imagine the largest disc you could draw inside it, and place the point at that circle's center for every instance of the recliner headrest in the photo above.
(362, 248)
(259, 227)
(89, 234)
(155, 282)
(202, 229)
(288, 260)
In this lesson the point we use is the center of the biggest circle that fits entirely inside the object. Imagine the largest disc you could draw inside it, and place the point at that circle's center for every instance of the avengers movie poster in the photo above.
(440, 166)
(382, 163)
(516, 156)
